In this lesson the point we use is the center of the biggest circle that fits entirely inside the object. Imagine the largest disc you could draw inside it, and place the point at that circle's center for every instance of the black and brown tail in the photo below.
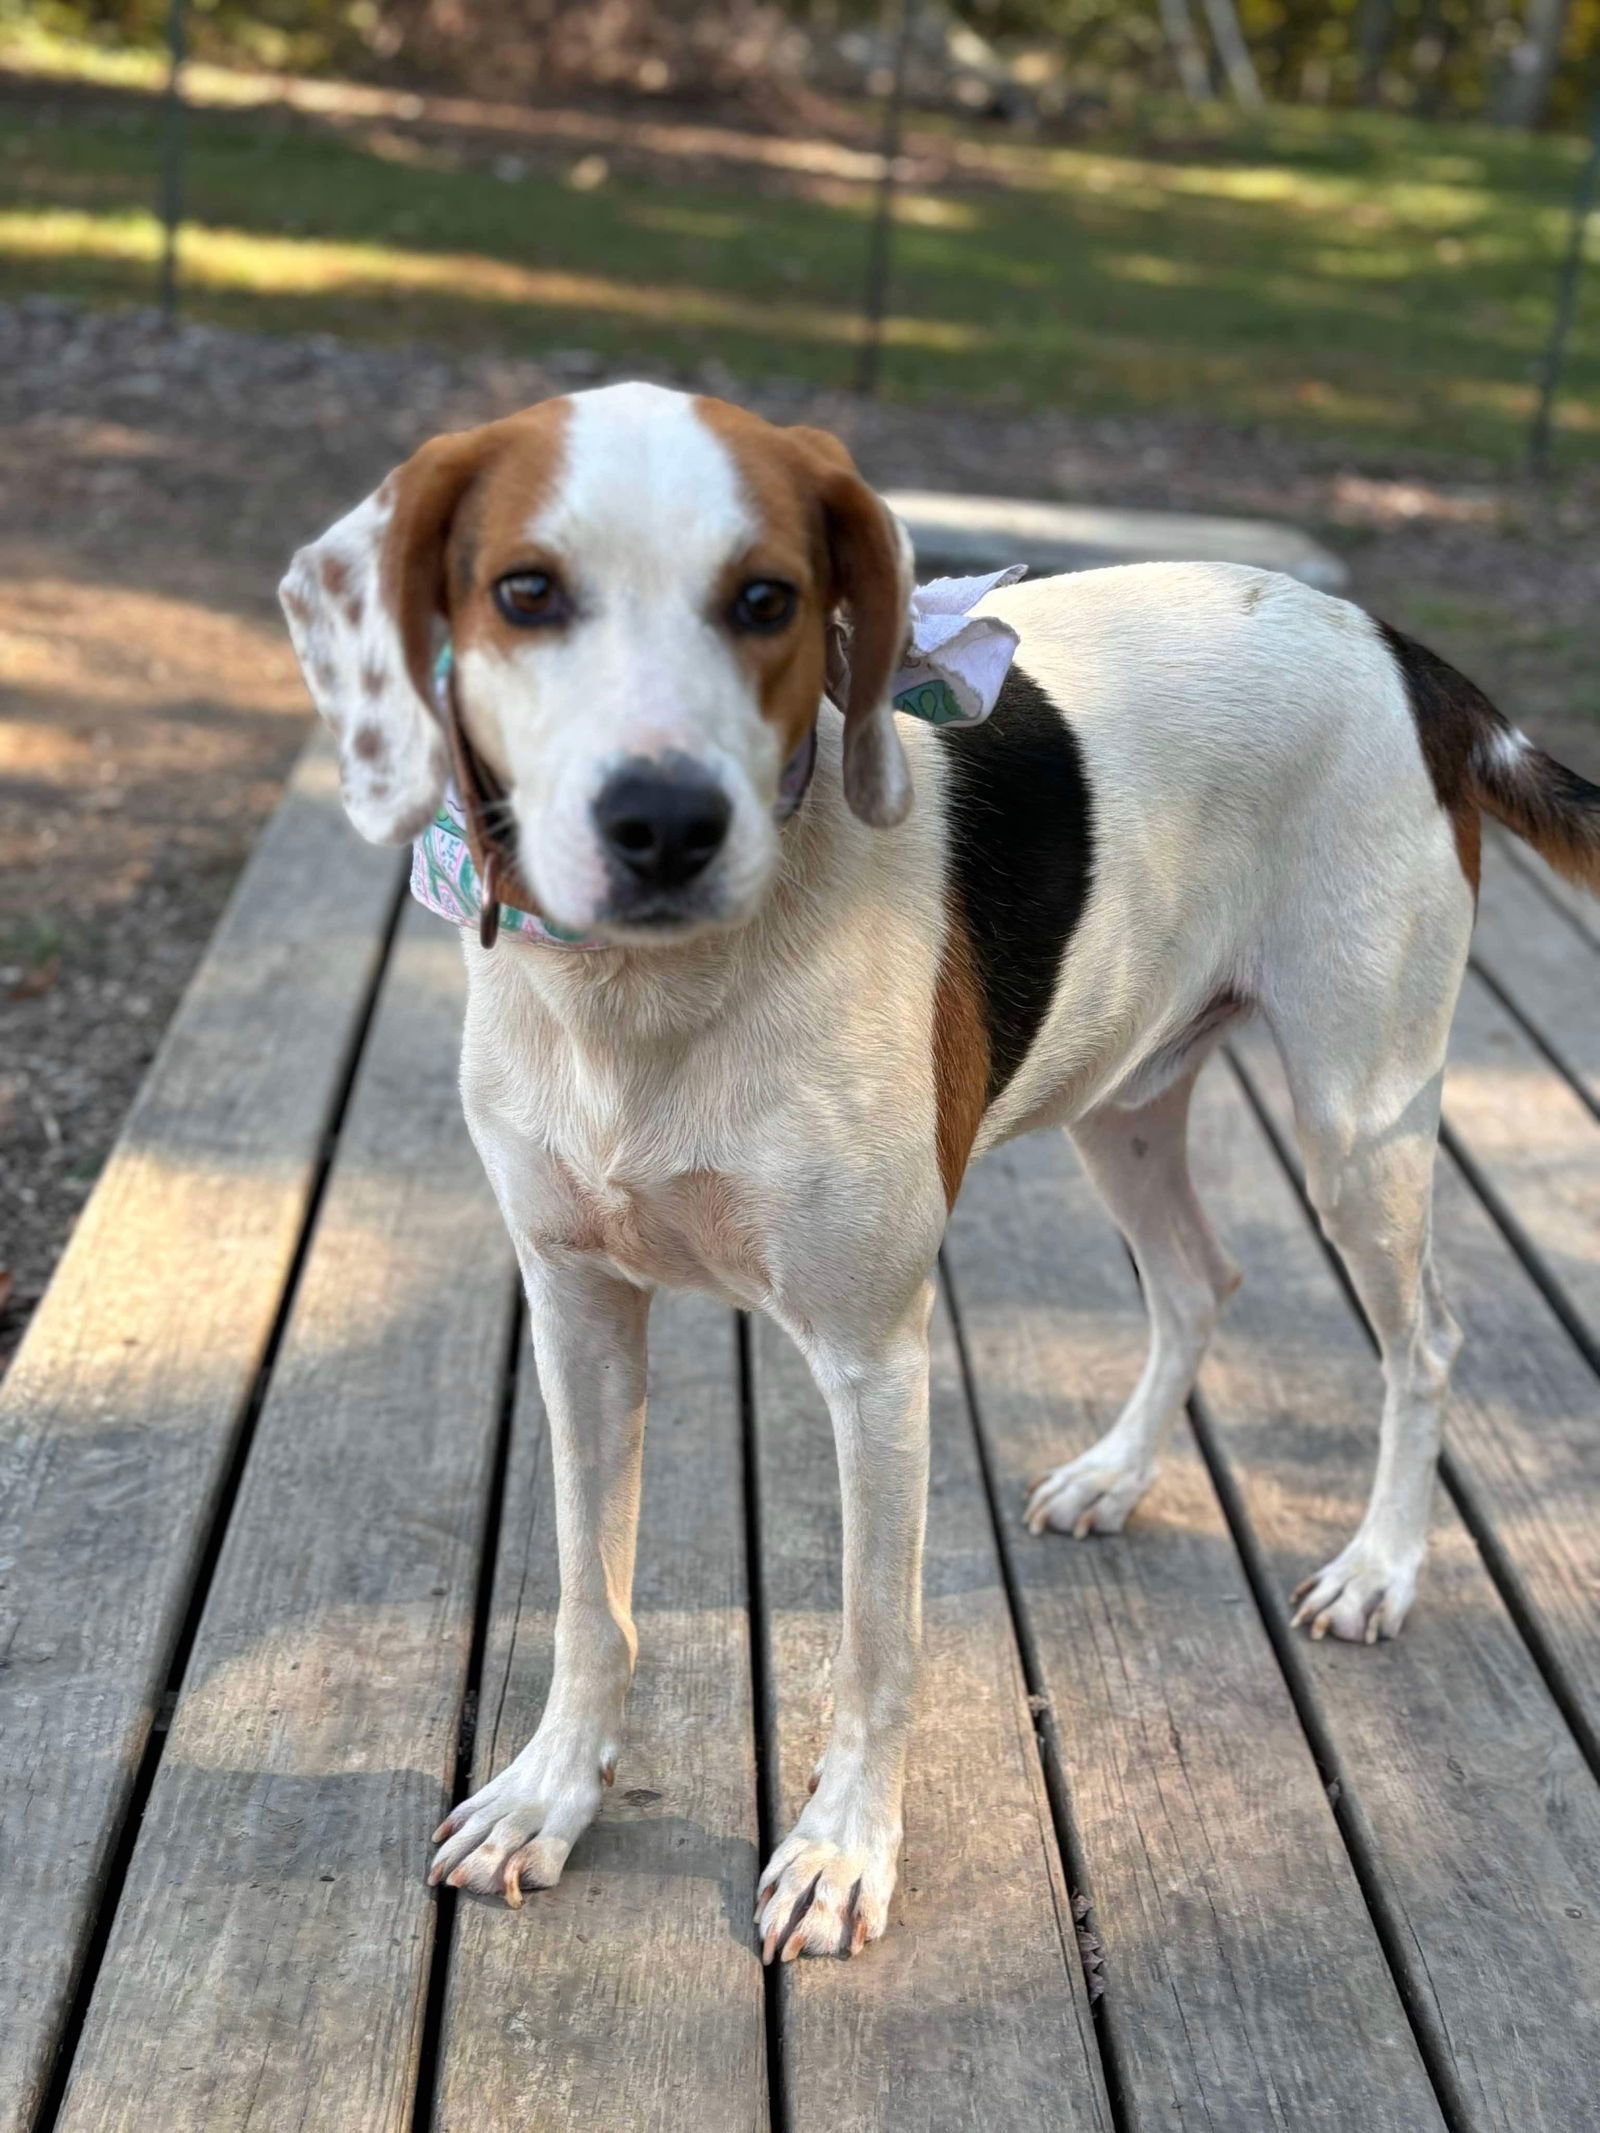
(1478, 759)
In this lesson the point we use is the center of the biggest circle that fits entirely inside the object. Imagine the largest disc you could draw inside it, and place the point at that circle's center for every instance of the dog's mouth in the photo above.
(657, 920)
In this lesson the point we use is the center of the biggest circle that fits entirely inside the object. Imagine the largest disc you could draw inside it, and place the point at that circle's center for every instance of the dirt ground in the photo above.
(152, 484)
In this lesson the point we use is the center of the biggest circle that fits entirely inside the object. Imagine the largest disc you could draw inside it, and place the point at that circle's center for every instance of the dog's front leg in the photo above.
(589, 1340)
(827, 1887)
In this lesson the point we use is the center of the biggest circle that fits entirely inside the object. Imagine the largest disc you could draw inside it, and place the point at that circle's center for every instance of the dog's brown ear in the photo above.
(362, 603)
(870, 569)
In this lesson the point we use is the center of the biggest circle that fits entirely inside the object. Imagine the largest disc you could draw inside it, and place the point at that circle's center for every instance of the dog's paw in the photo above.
(1091, 1494)
(1361, 1596)
(516, 1833)
(822, 1898)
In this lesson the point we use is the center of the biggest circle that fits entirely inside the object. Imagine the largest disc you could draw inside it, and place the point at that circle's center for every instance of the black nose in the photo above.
(662, 824)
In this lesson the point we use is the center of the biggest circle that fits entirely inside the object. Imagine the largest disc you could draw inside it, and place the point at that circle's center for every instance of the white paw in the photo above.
(516, 1833)
(1091, 1494)
(821, 1897)
(1361, 1596)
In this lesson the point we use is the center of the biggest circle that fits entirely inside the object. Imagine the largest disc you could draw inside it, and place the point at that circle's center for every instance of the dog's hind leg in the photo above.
(1138, 1160)
(1369, 1175)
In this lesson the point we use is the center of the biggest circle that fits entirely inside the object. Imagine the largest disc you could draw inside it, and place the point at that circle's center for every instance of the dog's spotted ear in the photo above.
(871, 572)
(362, 605)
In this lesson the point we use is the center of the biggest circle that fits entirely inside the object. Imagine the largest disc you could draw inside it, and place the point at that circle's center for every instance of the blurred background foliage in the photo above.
(1516, 62)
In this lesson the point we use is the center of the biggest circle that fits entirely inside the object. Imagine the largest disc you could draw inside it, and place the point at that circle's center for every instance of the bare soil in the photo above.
(152, 483)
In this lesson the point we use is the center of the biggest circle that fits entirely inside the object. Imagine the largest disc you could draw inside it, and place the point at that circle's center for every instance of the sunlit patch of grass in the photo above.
(244, 260)
(31, 47)
(931, 211)
(1158, 271)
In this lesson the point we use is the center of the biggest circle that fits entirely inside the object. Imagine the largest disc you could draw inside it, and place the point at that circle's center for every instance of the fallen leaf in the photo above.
(1091, 1951)
(39, 979)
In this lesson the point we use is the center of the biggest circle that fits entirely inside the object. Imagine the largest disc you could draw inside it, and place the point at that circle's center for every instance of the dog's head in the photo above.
(638, 587)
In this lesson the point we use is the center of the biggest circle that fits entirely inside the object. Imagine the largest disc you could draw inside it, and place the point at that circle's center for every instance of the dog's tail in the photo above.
(1477, 758)
(1542, 800)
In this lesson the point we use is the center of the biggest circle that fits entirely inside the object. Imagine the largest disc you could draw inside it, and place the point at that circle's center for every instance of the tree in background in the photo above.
(1524, 93)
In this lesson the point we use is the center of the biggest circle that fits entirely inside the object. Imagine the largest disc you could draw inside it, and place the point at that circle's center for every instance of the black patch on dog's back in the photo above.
(1021, 858)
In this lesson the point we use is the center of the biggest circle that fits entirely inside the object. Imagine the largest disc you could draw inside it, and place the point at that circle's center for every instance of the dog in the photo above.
(754, 1056)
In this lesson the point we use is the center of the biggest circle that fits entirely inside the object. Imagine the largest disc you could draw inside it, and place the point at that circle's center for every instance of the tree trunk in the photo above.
(1374, 35)
(1525, 86)
(1187, 51)
(1234, 53)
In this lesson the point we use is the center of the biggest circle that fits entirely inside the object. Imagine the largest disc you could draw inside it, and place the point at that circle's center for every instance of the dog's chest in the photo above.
(697, 1229)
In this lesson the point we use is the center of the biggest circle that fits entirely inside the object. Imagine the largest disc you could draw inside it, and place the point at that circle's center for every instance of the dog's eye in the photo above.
(764, 605)
(529, 598)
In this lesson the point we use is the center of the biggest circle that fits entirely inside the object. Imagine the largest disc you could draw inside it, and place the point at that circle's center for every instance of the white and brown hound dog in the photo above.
(1206, 792)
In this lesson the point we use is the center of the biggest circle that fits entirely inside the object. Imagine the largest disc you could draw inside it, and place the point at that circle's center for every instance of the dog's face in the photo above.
(637, 586)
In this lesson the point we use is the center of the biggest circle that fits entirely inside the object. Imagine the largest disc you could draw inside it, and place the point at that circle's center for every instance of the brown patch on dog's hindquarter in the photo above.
(960, 1054)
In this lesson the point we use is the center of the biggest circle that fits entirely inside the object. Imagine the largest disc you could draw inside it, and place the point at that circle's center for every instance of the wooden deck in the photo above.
(277, 1568)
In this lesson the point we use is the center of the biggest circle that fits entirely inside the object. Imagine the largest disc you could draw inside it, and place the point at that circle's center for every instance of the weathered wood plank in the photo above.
(1246, 1986)
(1576, 903)
(971, 2011)
(629, 1997)
(1542, 965)
(121, 1409)
(1533, 1144)
(1463, 1791)
(1522, 1445)
(268, 1964)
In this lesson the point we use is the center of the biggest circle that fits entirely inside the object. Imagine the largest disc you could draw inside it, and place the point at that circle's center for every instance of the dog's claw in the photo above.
(522, 1824)
(1361, 1597)
(1091, 1494)
(818, 1898)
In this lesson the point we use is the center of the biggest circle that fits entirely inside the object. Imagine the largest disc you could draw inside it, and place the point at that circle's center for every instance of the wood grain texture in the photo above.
(121, 1409)
(971, 2011)
(1533, 1145)
(1543, 966)
(1522, 1427)
(1246, 1987)
(630, 1996)
(1464, 1793)
(1576, 903)
(268, 1964)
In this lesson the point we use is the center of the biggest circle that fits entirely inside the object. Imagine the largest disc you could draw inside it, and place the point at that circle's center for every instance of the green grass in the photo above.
(1372, 279)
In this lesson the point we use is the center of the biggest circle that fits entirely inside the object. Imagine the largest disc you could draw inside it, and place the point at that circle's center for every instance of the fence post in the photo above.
(172, 154)
(1566, 306)
(875, 293)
